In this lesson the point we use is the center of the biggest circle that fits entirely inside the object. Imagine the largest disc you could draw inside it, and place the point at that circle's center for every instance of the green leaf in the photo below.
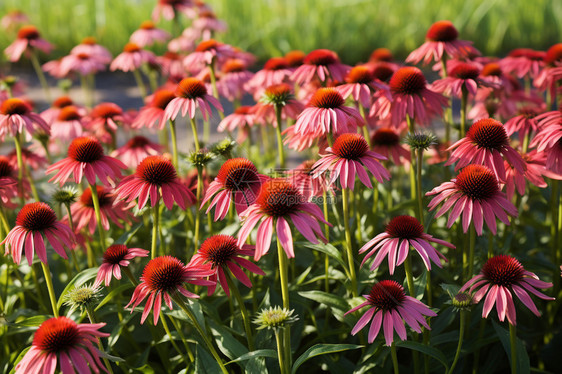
(127, 236)
(322, 349)
(330, 250)
(78, 280)
(33, 321)
(451, 289)
(110, 357)
(226, 342)
(259, 353)
(110, 296)
(427, 350)
(333, 301)
(204, 363)
(523, 364)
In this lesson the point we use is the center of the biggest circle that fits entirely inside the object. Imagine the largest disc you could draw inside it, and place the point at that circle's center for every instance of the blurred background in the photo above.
(267, 28)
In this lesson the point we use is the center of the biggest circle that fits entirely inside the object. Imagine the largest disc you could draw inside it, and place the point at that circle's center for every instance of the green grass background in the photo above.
(268, 28)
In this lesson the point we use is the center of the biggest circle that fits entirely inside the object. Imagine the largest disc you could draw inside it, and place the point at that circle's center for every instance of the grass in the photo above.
(272, 27)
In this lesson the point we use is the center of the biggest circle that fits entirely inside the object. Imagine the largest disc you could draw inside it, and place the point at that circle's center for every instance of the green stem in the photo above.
(280, 352)
(471, 251)
(129, 275)
(280, 150)
(348, 245)
(50, 288)
(155, 228)
(327, 234)
(411, 129)
(206, 131)
(174, 143)
(461, 336)
(184, 341)
(92, 319)
(419, 196)
(71, 225)
(140, 83)
(283, 277)
(201, 332)
(513, 344)
(213, 75)
(448, 114)
(97, 210)
(409, 276)
(40, 74)
(197, 213)
(87, 93)
(464, 103)
(19, 157)
(167, 329)
(195, 136)
(245, 317)
(394, 358)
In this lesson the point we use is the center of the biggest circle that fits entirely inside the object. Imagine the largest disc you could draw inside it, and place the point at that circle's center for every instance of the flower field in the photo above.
(287, 216)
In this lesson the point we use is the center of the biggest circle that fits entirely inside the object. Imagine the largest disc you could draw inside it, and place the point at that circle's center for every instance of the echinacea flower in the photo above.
(302, 177)
(278, 95)
(163, 278)
(84, 215)
(464, 77)
(386, 141)
(275, 71)
(206, 53)
(548, 139)
(348, 157)
(50, 114)
(274, 318)
(536, 169)
(132, 58)
(524, 62)
(410, 96)
(475, 194)
(526, 122)
(86, 158)
(154, 112)
(148, 34)
(441, 39)
(8, 180)
(235, 75)
(115, 257)
(90, 47)
(68, 124)
(500, 278)
(61, 342)
(242, 119)
(237, 182)
(82, 63)
(207, 23)
(33, 160)
(169, 9)
(360, 83)
(34, 221)
(27, 40)
(277, 203)
(191, 94)
(322, 64)
(104, 119)
(13, 19)
(401, 233)
(551, 73)
(223, 254)
(389, 308)
(16, 116)
(485, 143)
(135, 150)
(171, 65)
(156, 178)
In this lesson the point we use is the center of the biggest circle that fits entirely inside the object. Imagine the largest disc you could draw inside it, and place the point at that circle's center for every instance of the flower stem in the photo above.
(244, 312)
(97, 209)
(167, 329)
(155, 228)
(71, 224)
(140, 83)
(419, 197)
(411, 129)
(461, 336)
(92, 319)
(19, 157)
(513, 343)
(394, 358)
(40, 74)
(88, 100)
(50, 288)
(280, 352)
(280, 151)
(283, 276)
(129, 275)
(180, 333)
(348, 246)
(174, 143)
(214, 84)
(201, 332)
(327, 234)
(471, 251)
(197, 213)
(195, 136)
(464, 103)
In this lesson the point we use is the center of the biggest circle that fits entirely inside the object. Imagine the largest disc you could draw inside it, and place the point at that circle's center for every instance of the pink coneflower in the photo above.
(523, 62)
(410, 96)
(464, 77)
(154, 112)
(49, 115)
(441, 39)
(27, 41)
(295, 59)
(207, 24)
(8, 181)
(536, 168)
(171, 65)
(386, 141)
(275, 71)
(551, 73)
(278, 94)
(90, 47)
(148, 34)
(16, 116)
(526, 122)
(222, 253)
(242, 119)
(61, 339)
(327, 114)
(238, 181)
(207, 53)
(277, 202)
(485, 143)
(322, 64)
(348, 157)
(383, 71)
(30, 158)
(13, 19)
(500, 278)
(389, 308)
(135, 150)
(34, 221)
(169, 9)
(84, 215)
(82, 63)
(115, 257)
(381, 55)
(234, 76)
(548, 139)
(68, 124)
(156, 178)
(360, 84)
(302, 177)
(86, 158)
(401, 233)
(191, 94)
(476, 194)
(132, 58)
(185, 42)
(104, 119)
(162, 278)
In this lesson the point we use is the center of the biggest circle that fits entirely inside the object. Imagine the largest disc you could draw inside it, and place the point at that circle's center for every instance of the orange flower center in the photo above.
(408, 80)
(85, 149)
(36, 217)
(321, 57)
(477, 182)
(442, 31)
(191, 88)
(386, 295)
(57, 335)
(503, 270)
(14, 106)
(350, 146)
